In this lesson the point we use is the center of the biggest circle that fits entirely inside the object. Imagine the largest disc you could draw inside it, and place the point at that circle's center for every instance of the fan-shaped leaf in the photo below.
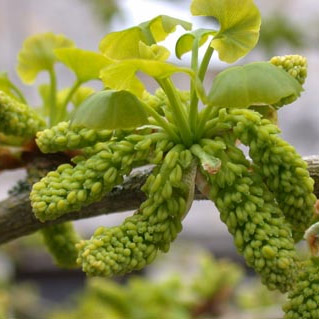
(185, 43)
(239, 26)
(122, 75)
(252, 84)
(37, 54)
(121, 45)
(110, 110)
(125, 44)
(153, 52)
(161, 26)
(85, 64)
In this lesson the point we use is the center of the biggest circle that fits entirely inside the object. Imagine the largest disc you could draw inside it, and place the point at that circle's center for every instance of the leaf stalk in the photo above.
(178, 111)
(53, 96)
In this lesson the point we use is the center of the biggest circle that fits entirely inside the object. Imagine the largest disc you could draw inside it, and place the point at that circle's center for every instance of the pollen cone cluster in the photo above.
(18, 119)
(152, 228)
(252, 216)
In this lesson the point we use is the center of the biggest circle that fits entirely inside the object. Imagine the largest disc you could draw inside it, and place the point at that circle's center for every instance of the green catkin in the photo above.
(70, 188)
(303, 300)
(61, 240)
(282, 168)
(183, 95)
(18, 119)
(135, 243)
(296, 66)
(156, 102)
(134, 136)
(252, 216)
(61, 137)
(157, 144)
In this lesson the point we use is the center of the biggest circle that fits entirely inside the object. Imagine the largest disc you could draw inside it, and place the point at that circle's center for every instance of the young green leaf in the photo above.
(252, 84)
(239, 26)
(122, 75)
(125, 44)
(161, 26)
(185, 43)
(85, 64)
(44, 92)
(37, 54)
(153, 52)
(110, 110)
(121, 45)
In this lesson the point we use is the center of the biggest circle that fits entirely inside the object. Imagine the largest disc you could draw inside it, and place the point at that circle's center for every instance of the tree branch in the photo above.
(17, 218)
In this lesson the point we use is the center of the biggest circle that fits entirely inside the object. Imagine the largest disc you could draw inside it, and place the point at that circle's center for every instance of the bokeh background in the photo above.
(289, 27)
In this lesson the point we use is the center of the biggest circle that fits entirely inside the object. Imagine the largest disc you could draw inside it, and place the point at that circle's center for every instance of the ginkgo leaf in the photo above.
(185, 43)
(37, 54)
(111, 110)
(255, 83)
(122, 75)
(239, 26)
(85, 64)
(153, 52)
(161, 26)
(125, 44)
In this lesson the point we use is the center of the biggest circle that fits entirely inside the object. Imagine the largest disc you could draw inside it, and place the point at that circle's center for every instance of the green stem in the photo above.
(19, 93)
(53, 96)
(161, 122)
(212, 125)
(203, 118)
(68, 98)
(205, 62)
(201, 75)
(178, 111)
(193, 111)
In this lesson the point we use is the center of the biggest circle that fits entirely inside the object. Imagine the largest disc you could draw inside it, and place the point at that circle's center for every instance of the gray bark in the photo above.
(17, 219)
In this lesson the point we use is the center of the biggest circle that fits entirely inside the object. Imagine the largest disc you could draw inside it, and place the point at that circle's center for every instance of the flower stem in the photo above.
(193, 111)
(201, 75)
